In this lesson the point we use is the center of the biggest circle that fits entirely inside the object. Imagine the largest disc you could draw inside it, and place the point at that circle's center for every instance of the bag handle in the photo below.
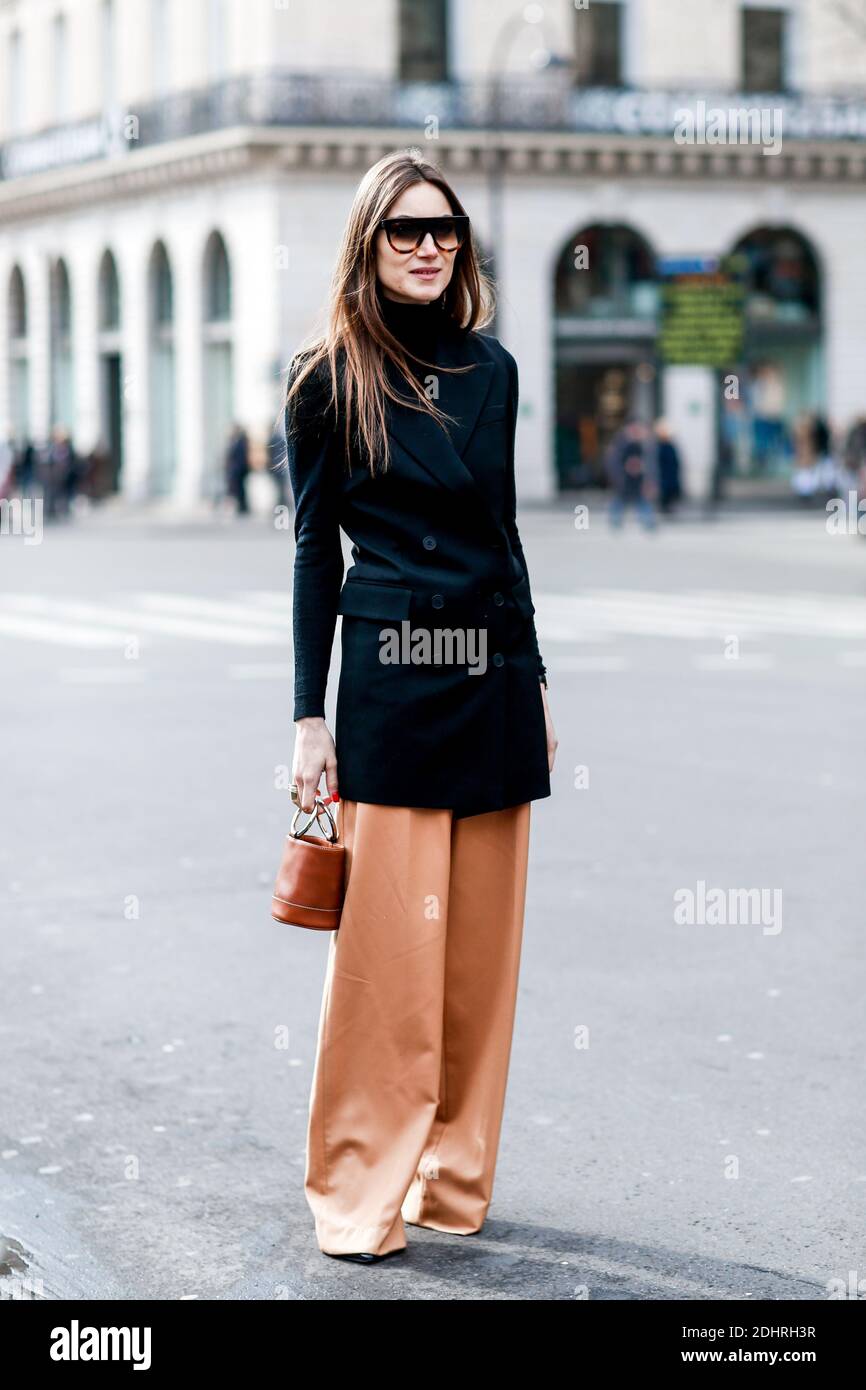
(319, 809)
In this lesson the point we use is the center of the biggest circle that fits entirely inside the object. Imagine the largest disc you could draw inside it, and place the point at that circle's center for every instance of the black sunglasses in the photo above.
(405, 234)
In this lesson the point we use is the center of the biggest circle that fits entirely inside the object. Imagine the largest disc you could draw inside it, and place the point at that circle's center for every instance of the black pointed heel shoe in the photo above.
(363, 1258)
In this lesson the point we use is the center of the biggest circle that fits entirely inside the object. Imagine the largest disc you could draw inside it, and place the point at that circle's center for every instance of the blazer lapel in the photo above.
(462, 396)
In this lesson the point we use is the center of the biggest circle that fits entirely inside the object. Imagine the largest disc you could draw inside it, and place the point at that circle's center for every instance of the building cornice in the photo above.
(520, 155)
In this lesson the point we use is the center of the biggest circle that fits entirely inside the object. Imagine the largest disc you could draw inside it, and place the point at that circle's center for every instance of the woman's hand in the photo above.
(314, 753)
(552, 741)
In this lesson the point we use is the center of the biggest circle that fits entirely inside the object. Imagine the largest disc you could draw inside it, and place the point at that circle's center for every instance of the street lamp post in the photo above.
(527, 15)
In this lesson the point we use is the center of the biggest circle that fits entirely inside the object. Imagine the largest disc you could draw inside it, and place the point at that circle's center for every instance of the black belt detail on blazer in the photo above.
(374, 598)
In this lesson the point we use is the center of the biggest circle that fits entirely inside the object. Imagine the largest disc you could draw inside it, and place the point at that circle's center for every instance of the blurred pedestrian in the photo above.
(853, 461)
(278, 465)
(768, 406)
(238, 467)
(804, 477)
(25, 467)
(74, 469)
(56, 469)
(668, 467)
(815, 471)
(733, 448)
(8, 480)
(826, 469)
(632, 476)
(97, 480)
(854, 450)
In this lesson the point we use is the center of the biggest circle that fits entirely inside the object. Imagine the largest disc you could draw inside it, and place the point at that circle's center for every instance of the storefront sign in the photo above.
(54, 149)
(702, 312)
(661, 113)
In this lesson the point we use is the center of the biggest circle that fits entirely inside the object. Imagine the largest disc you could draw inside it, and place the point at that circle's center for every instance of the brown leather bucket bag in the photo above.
(311, 879)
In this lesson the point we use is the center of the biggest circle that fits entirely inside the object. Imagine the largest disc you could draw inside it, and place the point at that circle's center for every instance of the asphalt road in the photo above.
(685, 1108)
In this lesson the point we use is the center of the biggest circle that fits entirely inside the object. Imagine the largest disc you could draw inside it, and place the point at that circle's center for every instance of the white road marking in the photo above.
(697, 614)
(593, 617)
(746, 661)
(43, 630)
(212, 608)
(261, 671)
(588, 663)
(100, 675)
(134, 621)
(268, 598)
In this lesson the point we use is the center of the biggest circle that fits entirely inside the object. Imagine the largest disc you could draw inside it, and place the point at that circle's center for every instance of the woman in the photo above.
(400, 426)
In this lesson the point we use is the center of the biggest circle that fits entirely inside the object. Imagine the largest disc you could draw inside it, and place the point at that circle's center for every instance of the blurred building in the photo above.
(175, 174)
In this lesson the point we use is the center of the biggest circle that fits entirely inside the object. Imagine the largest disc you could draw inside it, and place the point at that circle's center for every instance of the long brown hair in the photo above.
(356, 331)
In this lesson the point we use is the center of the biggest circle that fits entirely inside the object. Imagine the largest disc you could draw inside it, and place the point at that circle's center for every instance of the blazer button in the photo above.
(498, 659)
(438, 601)
(498, 600)
(429, 542)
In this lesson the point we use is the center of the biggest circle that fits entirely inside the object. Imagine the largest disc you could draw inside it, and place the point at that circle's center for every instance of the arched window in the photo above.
(109, 293)
(62, 390)
(781, 276)
(107, 478)
(19, 362)
(219, 392)
(607, 272)
(17, 305)
(163, 450)
(161, 288)
(61, 299)
(217, 281)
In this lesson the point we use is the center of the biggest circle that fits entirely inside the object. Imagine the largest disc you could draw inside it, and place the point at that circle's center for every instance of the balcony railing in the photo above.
(538, 103)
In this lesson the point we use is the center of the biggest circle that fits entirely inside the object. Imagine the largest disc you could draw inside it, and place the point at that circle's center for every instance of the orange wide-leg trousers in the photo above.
(416, 1023)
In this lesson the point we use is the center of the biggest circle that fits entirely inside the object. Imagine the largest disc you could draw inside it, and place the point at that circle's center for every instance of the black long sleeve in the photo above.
(511, 501)
(314, 461)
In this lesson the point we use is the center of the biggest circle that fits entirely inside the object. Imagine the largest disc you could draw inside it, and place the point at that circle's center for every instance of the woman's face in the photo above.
(422, 275)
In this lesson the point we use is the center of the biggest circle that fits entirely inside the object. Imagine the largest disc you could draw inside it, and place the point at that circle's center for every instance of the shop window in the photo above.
(423, 39)
(598, 45)
(762, 50)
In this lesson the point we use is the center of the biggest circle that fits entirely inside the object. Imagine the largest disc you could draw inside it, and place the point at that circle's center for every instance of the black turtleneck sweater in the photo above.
(418, 327)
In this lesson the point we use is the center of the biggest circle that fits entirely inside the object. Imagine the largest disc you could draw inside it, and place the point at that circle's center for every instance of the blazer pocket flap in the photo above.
(366, 598)
(522, 597)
